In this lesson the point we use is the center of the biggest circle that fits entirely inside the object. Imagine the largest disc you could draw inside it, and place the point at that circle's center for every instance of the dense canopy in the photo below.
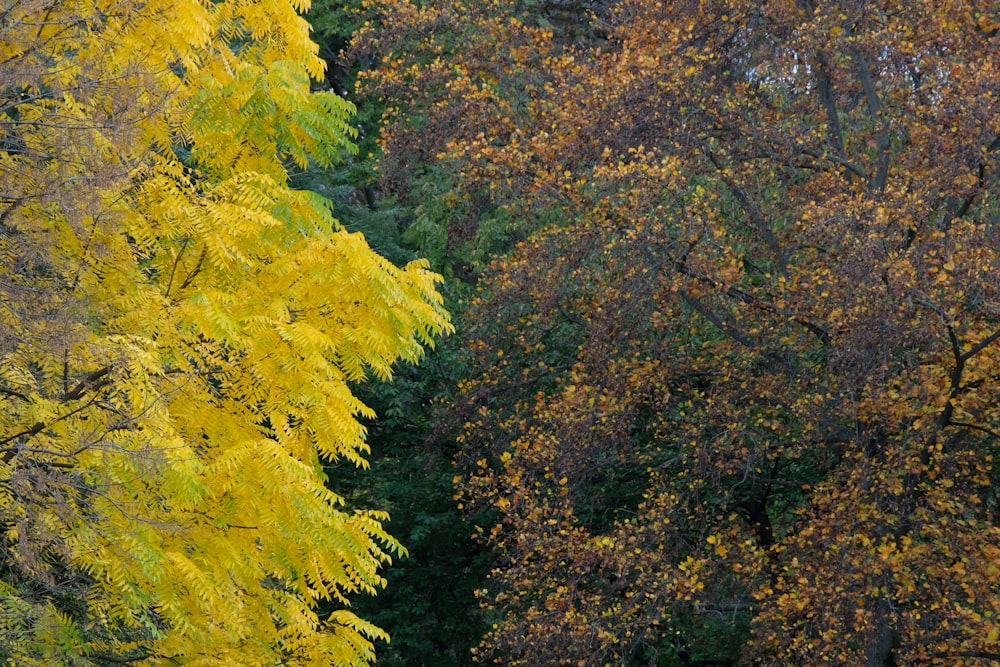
(726, 384)
(735, 351)
(180, 329)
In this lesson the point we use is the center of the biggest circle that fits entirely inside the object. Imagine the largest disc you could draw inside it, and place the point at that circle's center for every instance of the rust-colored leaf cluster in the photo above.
(742, 363)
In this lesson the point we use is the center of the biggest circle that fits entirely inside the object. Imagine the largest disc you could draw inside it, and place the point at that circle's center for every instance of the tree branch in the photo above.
(101, 657)
(9, 452)
(703, 310)
(956, 349)
(979, 347)
(974, 427)
(38, 427)
(15, 394)
(724, 608)
(979, 655)
(835, 132)
(743, 297)
(94, 380)
(195, 271)
(753, 212)
(173, 269)
(877, 114)
(836, 159)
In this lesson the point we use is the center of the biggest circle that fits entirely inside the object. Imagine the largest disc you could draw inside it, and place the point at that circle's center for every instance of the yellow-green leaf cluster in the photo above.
(180, 329)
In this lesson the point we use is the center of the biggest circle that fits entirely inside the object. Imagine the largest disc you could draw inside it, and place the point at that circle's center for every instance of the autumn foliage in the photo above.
(180, 330)
(735, 374)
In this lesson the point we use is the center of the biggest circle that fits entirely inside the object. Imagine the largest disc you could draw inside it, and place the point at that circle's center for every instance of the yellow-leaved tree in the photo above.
(178, 333)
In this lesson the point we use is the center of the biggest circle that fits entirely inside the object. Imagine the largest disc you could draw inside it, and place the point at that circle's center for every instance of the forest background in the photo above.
(724, 385)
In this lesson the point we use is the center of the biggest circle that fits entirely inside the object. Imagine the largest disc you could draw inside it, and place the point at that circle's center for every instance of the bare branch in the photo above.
(836, 133)
(979, 347)
(836, 159)
(94, 380)
(724, 608)
(975, 427)
(877, 114)
(38, 427)
(195, 271)
(15, 394)
(976, 655)
(753, 211)
(703, 310)
(173, 269)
